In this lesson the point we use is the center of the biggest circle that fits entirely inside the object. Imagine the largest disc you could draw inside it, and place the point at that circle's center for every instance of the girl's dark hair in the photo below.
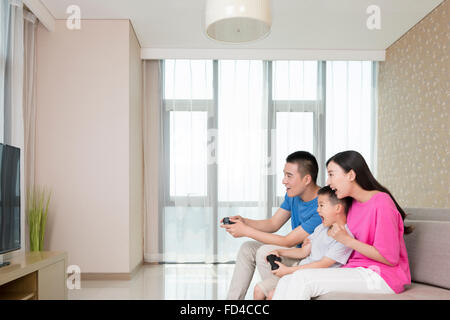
(353, 160)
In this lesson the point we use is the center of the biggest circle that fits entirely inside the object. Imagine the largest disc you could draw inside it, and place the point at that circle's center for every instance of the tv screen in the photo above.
(9, 198)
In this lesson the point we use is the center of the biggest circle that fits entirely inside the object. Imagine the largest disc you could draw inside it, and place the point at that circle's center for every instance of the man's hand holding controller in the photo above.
(232, 220)
(235, 226)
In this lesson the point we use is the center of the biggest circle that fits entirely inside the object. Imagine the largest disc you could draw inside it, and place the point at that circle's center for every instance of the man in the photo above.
(300, 205)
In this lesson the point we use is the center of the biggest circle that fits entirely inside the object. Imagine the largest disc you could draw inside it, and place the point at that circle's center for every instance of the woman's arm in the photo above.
(340, 234)
(366, 249)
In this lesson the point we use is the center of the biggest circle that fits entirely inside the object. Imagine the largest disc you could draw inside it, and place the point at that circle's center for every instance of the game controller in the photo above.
(271, 258)
(227, 220)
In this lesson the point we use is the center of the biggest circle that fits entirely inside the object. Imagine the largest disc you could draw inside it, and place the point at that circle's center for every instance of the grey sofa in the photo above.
(428, 249)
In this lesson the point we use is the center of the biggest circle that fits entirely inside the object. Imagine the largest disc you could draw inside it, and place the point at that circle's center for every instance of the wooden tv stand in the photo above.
(35, 276)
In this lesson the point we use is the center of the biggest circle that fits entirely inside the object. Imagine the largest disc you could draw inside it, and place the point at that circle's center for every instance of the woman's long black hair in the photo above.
(353, 160)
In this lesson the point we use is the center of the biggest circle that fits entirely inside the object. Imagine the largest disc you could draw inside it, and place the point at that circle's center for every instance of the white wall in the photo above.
(83, 142)
(136, 154)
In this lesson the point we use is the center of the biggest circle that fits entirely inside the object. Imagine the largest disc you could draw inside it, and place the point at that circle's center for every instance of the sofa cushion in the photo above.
(416, 291)
(429, 252)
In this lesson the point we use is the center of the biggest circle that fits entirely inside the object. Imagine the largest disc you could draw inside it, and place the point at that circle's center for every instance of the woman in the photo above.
(379, 262)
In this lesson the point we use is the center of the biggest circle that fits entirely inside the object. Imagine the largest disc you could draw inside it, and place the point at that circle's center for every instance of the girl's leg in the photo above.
(308, 283)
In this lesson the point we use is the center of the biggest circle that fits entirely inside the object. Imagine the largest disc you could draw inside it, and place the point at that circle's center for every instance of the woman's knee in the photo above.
(306, 282)
(301, 276)
(284, 282)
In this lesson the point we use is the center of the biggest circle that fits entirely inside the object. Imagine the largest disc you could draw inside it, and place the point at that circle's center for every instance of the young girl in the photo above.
(379, 263)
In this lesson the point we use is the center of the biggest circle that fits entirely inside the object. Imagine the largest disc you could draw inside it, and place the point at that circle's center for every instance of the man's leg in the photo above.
(243, 270)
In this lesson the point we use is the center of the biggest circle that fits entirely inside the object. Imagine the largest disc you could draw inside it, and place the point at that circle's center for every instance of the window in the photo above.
(294, 80)
(228, 127)
(188, 153)
(4, 21)
(188, 101)
(240, 114)
(350, 119)
(295, 131)
(188, 80)
(297, 102)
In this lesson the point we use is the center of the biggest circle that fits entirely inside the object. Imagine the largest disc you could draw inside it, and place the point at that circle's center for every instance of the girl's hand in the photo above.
(282, 270)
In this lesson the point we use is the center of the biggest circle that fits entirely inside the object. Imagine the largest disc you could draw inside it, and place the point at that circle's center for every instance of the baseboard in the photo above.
(136, 269)
(105, 276)
(112, 276)
(153, 258)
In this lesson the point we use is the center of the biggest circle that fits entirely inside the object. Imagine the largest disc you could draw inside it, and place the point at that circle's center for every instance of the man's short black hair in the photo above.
(346, 202)
(306, 163)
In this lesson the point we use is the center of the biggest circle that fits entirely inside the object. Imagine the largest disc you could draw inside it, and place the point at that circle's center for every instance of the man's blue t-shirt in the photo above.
(302, 213)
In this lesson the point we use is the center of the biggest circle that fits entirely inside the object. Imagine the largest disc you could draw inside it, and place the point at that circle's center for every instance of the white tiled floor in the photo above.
(165, 281)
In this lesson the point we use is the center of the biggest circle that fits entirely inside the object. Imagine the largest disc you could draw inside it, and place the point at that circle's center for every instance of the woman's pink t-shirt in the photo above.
(378, 223)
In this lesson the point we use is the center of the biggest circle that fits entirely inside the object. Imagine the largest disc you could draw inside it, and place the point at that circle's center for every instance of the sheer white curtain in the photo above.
(29, 101)
(11, 76)
(213, 156)
(11, 86)
(187, 212)
(222, 131)
(351, 109)
(242, 147)
(4, 27)
(298, 117)
(324, 108)
(153, 159)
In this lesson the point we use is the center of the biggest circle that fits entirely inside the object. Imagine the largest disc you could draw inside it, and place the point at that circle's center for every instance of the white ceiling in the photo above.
(297, 24)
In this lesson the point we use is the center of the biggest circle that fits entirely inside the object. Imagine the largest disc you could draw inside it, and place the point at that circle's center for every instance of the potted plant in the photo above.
(38, 201)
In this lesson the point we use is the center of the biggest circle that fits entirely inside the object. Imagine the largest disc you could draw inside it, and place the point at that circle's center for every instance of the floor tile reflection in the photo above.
(165, 281)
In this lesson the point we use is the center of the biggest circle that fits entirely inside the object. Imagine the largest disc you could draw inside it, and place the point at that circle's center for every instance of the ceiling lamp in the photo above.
(237, 21)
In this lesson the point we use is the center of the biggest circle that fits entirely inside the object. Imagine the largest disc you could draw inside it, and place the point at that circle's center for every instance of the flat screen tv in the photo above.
(9, 199)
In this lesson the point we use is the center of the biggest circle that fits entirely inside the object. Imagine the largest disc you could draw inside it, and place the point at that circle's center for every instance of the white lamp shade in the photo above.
(237, 20)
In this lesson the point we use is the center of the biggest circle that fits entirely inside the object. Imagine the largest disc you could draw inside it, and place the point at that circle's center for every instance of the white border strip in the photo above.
(42, 13)
(262, 54)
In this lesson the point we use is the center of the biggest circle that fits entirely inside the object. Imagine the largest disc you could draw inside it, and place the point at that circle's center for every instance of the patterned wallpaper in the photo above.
(413, 114)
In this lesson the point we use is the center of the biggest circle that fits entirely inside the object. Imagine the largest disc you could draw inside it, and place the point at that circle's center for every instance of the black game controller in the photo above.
(271, 258)
(227, 220)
